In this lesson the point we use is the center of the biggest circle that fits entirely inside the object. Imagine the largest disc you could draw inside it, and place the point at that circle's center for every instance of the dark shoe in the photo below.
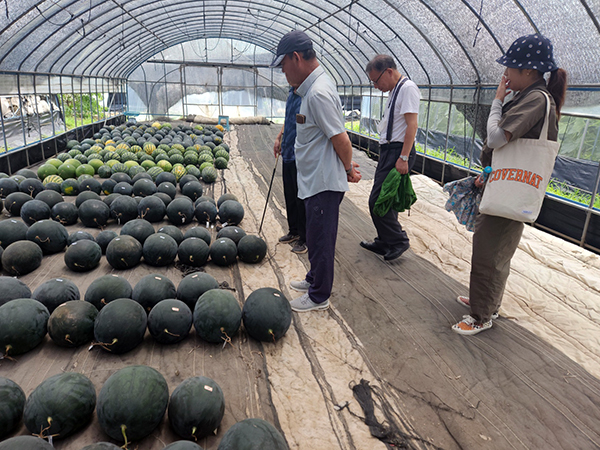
(395, 253)
(373, 247)
(300, 247)
(288, 238)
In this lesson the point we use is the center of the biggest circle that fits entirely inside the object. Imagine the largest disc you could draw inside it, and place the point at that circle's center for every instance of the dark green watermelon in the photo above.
(83, 256)
(52, 293)
(11, 288)
(205, 212)
(252, 249)
(124, 209)
(152, 209)
(196, 408)
(170, 321)
(232, 232)
(78, 236)
(102, 446)
(94, 213)
(123, 188)
(253, 434)
(12, 230)
(104, 238)
(223, 252)
(66, 213)
(120, 326)
(21, 258)
(231, 212)
(108, 186)
(132, 403)
(72, 323)
(186, 179)
(183, 445)
(199, 232)
(60, 405)
(225, 197)
(193, 190)
(167, 188)
(84, 196)
(106, 289)
(217, 316)
(8, 186)
(25, 443)
(267, 314)
(50, 236)
(151, 289)
(193, 252)
(11, 406)
(160, 249)
(144, 187)
(172, 231)
(31, 187)
(180, 211)
(34, 211)
(124, 252)
(121, 177)
(49, 197)
(15, 201)
(140, 229)
(165, 177)
(193, 286)
(23, 325)
(90, 184)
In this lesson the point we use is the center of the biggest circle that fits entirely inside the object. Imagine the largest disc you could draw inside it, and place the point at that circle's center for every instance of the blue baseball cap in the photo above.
(530, 52)
(294, 41)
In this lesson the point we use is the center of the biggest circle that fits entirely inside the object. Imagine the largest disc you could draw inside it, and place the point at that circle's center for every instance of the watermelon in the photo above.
(193, 252)
(21, 258)
(151, 208)
(172, 231)
(54, 292)
(101, 446)
(23, 325)
(31, 187)
(25, 443)
(166, 177)
(65, 213)
(83, 255)
(69, 187)
(132, 403)
(12, 288)
(144, 187)
(253, 434)
(46, 169)
(140, 229)
(193, 286)
(12, 230)
(80, 236)
(196, 408)
(209, 175)
(124, 252)
(232, 232)
(186, 179)
(11, 406)
(193, 190)
(251, 249)
(170, 321)
(180, 211)
(49, 197)
(167, 188)
(85, 195)
(205, 212)
(123, 188)
(159, 249)
(151, 289)
(34, 211)
(267, 314)
(90, 184)
(225, 197)
(60, 405)
(72, 323)
(120, 326)
(94, 213)
(217, 316)
(223, 252)
(15, 201)
(181, 445)
(231, 212)
(104, 238)
(199, 232)
(123, 209)
(106, 289)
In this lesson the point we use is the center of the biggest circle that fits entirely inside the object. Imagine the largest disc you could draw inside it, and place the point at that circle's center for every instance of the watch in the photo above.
(404, 158)
(349, 171)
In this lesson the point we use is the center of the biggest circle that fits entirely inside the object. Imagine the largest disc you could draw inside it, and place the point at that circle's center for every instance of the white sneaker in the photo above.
(469, 326)
(461, 299)
(304, 304)
(300, 286)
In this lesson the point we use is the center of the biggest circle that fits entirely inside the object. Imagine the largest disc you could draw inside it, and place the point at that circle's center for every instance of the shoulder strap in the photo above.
(544, 132)
(388, 135)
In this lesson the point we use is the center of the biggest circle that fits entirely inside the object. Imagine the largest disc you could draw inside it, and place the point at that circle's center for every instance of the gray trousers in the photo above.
(495, 242)
(389, 231)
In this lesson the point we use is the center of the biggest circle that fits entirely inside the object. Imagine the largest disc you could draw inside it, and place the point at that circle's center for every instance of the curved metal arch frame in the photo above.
(175, 42)
(129, 28)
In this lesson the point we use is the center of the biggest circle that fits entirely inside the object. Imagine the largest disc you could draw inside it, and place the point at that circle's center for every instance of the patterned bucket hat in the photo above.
(530, 52)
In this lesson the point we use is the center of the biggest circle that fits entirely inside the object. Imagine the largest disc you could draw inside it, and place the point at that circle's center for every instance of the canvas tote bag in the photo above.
(521, 170)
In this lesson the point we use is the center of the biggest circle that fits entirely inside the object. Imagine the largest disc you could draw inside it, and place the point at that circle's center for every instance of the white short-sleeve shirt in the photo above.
(407, 102)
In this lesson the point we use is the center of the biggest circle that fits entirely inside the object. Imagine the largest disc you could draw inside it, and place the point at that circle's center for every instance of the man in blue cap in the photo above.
(323, 160)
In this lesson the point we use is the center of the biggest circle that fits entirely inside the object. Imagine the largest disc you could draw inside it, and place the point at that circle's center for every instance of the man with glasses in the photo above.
(397, 130)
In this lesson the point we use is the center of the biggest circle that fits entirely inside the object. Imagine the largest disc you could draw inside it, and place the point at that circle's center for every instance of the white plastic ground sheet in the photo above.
(554, 286)
(553, 291)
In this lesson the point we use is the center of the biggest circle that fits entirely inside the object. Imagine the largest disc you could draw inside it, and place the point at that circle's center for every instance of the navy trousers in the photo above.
(294, 206)
(389, 231)
(322, 213)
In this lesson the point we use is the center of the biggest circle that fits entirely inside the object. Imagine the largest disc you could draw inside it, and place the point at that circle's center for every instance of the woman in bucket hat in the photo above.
(495, 239)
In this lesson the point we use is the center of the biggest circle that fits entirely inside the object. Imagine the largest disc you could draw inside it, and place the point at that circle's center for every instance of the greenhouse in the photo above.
(144, 280)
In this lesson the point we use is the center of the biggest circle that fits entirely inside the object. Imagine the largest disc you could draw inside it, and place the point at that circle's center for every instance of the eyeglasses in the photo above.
(377, 80)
